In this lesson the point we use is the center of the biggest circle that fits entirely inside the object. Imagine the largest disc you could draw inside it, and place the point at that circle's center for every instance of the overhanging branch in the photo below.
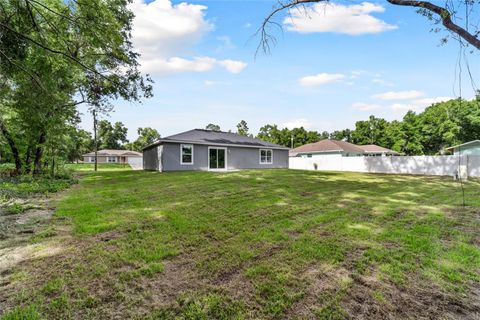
(444, 15)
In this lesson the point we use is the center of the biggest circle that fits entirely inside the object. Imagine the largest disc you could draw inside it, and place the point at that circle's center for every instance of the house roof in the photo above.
(210, 137)
(463, 144)
(373, 148)
(111, 152)
(329, 145)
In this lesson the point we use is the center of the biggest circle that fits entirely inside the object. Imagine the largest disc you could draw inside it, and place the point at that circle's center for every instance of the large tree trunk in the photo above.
(28, 159)
(37, 165)
(12, 145)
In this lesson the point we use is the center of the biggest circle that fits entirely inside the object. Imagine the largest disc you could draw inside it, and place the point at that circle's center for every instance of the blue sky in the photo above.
(331, 67)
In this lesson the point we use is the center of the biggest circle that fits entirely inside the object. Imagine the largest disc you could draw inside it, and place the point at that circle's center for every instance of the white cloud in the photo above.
(399, 95)
(429, 101)
(382, 82)
(247, 25)
(297, 123)
(209, 83)
(365, 106)
(417, 105)
(233, 66)
(162, 28)
(320, 79)
(162, 66)
(226, 43)
(347, 19)
(164, 32)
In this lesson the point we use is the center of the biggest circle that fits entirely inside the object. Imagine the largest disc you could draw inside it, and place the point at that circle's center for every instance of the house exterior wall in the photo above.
(469, 150)
(150, 159)
(237, 158)
(104, 159)
(100, 159)
(249, 158)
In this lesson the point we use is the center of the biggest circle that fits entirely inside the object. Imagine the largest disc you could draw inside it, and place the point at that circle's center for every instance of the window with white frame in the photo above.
(186, 154)
(92, 159)
(266, 156)
(112, 159)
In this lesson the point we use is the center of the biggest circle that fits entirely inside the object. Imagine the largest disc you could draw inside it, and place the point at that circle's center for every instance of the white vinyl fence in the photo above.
(423, 165)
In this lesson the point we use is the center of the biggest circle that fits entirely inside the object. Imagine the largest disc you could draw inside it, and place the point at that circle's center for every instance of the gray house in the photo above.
(200, 149)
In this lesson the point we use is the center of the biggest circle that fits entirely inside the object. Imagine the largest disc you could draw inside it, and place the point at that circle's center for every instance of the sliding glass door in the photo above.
(217, 158)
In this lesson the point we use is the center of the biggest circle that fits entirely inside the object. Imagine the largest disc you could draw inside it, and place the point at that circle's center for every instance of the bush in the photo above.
(26, 185)
(7, 166)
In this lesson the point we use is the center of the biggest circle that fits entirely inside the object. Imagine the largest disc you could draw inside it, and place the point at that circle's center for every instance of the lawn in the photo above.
(80, 167)
(271, 244)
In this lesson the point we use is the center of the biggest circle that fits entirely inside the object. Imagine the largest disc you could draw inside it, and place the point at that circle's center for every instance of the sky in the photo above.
(331, 65)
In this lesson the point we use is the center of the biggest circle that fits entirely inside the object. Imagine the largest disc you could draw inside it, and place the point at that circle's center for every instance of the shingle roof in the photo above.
(111, 152)
(326, 145)
(210, 137)
(373, 148)
(329, 145)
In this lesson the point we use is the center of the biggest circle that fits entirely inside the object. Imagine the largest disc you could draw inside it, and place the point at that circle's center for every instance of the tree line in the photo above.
(426, 133)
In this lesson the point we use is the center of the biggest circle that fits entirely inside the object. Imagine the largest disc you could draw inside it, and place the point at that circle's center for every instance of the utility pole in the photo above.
(291, 141)
(95, 146)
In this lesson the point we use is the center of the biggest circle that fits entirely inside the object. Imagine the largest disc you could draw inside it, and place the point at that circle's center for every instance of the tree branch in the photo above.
(444, 15)
(50, 49)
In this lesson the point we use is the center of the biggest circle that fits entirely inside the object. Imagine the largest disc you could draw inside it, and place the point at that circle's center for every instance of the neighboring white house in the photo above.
(135, 159)
(337, 148)
(471, 148)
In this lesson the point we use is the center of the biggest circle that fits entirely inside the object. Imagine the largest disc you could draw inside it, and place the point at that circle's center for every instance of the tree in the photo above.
(81, 143)
(371, 131)
(111, 136)
(289, 138)
(242, 128)
(146, 136)
(213, 127)
(450, 16)
(343, 135)
(54, 51)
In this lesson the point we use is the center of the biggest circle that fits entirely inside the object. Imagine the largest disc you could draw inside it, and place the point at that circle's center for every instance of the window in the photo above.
(92, 159)
(112, 159)
(266, 156)
(186, 154)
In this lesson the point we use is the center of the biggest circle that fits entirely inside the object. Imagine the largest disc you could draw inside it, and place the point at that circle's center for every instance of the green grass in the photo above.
(258, 244)
(101, 166)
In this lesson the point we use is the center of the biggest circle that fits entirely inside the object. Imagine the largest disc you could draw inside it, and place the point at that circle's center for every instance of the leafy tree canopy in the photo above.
(213, 127)
(146, 136)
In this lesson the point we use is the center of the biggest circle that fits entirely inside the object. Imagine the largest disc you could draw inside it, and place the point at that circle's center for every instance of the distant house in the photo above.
(113, 156)
(471, 148)
(337, 148)
(201, 149)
